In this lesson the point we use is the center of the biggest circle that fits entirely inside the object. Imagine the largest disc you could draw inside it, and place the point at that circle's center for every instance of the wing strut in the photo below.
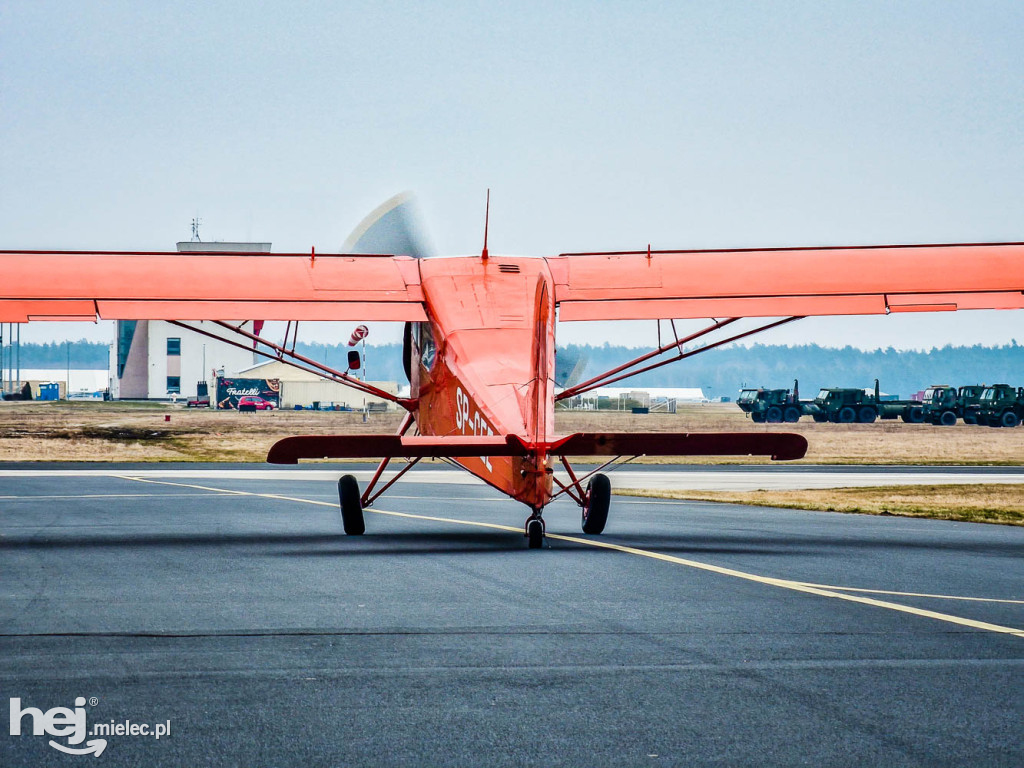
(609, 377)
(296, 360)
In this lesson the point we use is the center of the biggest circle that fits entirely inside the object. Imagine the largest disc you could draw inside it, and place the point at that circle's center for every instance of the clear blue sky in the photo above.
(597, 126)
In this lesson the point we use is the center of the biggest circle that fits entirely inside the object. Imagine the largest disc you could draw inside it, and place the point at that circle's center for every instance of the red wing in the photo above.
(290, 449)
(207, 286)
(786, 282)
(778, 445)
(781, 446)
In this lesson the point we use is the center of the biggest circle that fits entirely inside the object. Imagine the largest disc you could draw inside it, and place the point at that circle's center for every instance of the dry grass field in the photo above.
(966, 503)
(97, 431)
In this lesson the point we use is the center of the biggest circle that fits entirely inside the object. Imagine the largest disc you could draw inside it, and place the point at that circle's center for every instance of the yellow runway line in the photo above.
(796, 586)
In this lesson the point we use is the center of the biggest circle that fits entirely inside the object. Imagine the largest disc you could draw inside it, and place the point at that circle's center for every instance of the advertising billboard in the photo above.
(229, 390)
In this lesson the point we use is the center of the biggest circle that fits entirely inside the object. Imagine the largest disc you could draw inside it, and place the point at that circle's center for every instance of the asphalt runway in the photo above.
(233, 609)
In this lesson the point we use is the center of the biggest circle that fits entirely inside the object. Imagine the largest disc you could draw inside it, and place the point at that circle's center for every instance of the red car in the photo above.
(252, 403)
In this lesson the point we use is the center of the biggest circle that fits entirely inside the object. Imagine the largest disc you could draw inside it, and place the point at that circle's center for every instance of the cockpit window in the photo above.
(428, 350)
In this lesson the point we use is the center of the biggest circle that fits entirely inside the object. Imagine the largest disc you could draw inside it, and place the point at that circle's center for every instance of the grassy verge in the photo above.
(125, 431)
(967, 503)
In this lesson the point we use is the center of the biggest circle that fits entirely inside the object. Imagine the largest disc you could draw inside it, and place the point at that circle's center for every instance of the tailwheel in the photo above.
(351, 506)
(595, 509)
(535, 530)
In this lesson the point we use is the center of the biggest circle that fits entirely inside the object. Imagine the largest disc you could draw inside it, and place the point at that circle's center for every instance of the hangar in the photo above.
(303, 389)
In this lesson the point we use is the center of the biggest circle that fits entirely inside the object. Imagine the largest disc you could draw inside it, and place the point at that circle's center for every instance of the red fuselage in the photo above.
(484, 364)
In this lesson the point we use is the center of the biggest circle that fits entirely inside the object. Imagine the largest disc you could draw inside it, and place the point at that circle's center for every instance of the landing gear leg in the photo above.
(351, 506)
(535, 530)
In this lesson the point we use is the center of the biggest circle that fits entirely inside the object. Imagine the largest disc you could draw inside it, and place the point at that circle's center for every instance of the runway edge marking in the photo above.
(795, 586)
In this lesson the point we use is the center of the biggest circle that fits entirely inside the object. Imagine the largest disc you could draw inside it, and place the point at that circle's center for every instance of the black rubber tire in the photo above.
(915, 415)
(773, 415)
(1009, 419)
(819, 418)
(947, 419)
(757, 418)
(867, 415)
(791, 415)
(595, 513)
(351, 506)
(535, 534)
(847, 415)
(970, 419)
(904, 417)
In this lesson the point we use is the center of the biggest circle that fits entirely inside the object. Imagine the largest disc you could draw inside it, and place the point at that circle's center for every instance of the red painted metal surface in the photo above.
(777, 282)
(484, 330)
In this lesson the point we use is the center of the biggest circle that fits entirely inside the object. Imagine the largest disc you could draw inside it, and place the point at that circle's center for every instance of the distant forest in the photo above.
(719, 372)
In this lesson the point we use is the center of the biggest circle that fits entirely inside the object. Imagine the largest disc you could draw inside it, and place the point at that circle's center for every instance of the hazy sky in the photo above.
(597, 126)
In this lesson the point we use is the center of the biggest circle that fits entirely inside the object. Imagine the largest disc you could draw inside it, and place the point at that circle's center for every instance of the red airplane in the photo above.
(480, 332)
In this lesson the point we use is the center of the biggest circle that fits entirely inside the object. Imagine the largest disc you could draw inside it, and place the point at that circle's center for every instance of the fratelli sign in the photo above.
(229, 390)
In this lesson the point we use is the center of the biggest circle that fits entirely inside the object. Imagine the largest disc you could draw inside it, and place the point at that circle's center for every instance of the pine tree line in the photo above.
(719, 372)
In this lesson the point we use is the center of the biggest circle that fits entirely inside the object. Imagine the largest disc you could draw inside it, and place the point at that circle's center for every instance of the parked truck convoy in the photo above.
(944, 404)
(999, 405)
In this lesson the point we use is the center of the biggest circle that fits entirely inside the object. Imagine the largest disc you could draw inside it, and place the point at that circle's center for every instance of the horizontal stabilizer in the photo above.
(781, 446)
(291, 449)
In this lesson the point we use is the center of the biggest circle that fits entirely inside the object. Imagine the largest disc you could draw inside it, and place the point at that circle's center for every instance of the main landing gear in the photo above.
(351, 506)
(595, 504)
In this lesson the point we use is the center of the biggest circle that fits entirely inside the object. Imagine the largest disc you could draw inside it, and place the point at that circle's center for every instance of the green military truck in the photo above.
(856, 406)
(944, 404)
(772, 405)
(999, 406)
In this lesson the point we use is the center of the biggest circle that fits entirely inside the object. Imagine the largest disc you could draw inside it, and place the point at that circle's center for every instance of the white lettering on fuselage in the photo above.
(470, 425)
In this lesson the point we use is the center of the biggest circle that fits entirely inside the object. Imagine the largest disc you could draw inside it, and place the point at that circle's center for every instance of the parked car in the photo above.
(253, 403)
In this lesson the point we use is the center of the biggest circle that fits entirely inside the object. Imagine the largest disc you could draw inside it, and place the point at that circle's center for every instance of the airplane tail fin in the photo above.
(781, 446)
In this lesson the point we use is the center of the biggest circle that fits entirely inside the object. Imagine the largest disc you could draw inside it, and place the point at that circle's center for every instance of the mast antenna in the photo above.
(487, 219)
(195, 229)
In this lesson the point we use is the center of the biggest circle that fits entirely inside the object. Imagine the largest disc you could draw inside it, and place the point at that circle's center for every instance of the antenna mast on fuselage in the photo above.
(487, 218)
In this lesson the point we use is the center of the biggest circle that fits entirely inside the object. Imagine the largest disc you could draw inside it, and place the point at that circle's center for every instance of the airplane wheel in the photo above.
(774, 415)
(947, 419)
(351, 506)
(792, 415)
(847, 415)
(599, 496)
(535, 533)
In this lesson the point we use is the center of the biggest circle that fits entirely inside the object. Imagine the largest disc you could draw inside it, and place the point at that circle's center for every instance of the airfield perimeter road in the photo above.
(233, 606)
